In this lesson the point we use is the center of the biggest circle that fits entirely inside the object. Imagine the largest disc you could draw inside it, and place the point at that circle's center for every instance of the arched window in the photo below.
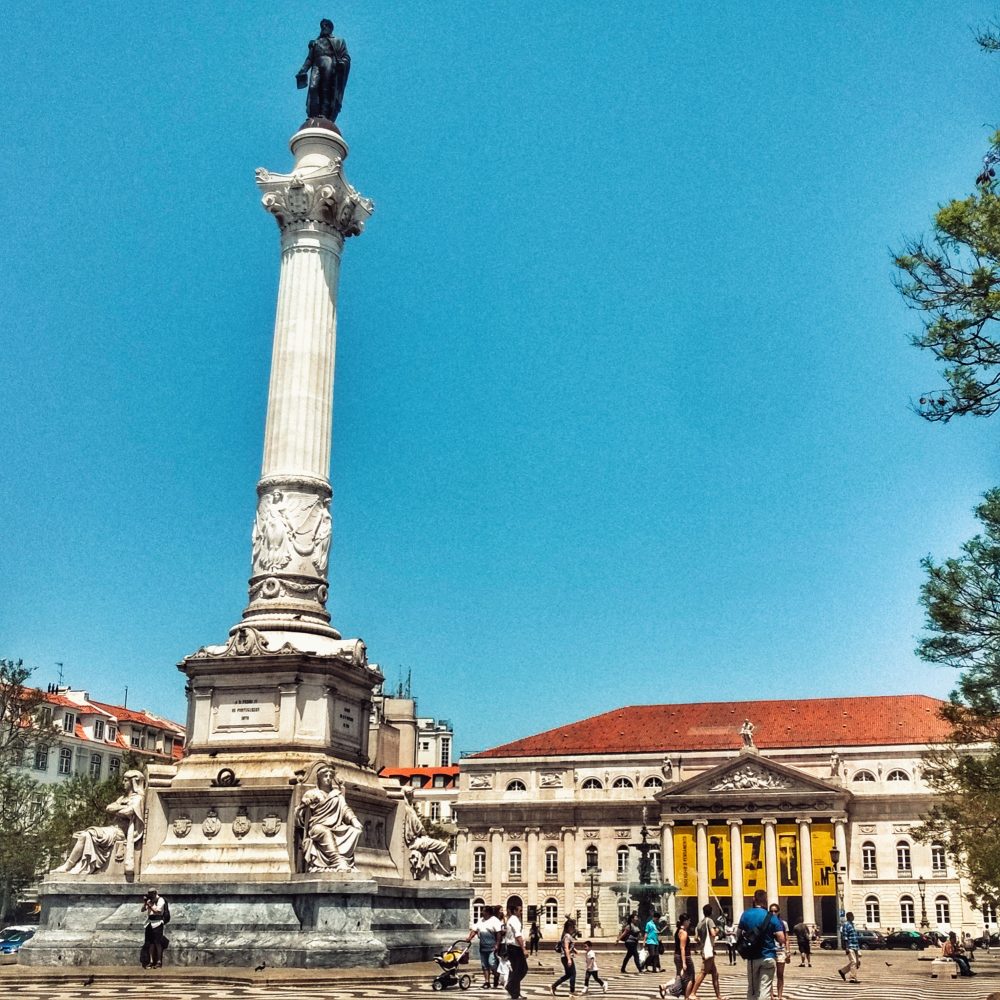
(906, 911)
(653, 782)
(550, 911)
(622, 783)
(516, 786)
(514, 862)
(863, 776)
(591, 784)
(942, 910)
(591, 857)
(622, 855)
(897, 775)
(872, 911)
(868, 865)
(654, 860)
(551, 861)
(903, 857)
(939, 863)
(479, 862)
(478, 905)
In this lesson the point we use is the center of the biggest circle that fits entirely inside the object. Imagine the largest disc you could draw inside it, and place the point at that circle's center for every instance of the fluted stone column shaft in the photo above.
(736, 866)
(298, 432)
(771, 859)
(316, 210)
(806, 861)
(701, 860)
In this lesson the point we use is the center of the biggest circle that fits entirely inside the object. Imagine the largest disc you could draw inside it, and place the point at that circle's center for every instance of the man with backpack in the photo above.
(758, 938)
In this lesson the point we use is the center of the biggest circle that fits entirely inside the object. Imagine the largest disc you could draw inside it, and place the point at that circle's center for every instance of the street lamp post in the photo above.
(922, 889)
(835, 868)
(593, 873)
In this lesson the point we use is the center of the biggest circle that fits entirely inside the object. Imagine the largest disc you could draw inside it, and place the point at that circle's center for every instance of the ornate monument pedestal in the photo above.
(272, 839)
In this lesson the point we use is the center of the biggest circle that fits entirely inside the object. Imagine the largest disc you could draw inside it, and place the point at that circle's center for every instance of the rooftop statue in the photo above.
(325, 73)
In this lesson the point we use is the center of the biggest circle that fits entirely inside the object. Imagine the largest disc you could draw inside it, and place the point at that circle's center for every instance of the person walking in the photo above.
(567, 955)
(652, 940)
(804, 942)
(781, 955)
(157, 914)
(683, 962)
(630, 938)
(489, 930)
(516, 949)
(590, 958)
(849, 937)
(758, 925)
(707, 934)
(534, 936)
(731, 941)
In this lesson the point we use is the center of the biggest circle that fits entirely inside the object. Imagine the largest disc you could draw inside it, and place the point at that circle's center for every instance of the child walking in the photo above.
(592, 969)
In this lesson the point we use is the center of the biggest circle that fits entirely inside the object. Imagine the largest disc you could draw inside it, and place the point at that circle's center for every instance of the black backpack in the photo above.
(750, 945)
(166, 913)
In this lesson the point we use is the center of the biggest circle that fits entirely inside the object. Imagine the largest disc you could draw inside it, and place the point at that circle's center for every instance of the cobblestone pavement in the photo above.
(887, 976)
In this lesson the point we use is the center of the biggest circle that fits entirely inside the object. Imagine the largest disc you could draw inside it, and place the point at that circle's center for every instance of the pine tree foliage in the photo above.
(961, 598)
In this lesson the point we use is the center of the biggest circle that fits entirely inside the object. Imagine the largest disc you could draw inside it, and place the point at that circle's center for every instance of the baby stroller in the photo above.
(456, 955)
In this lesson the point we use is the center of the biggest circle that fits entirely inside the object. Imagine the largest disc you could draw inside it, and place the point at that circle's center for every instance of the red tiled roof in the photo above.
(815, 722)
(142, 718)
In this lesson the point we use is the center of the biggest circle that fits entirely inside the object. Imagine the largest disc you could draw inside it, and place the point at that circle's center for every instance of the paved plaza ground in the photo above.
(886, 976)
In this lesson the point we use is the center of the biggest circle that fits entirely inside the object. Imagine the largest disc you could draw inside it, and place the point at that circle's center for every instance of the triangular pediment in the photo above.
(750, 772)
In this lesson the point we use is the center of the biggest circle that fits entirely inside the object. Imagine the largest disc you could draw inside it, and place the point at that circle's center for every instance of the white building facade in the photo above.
(819, 808)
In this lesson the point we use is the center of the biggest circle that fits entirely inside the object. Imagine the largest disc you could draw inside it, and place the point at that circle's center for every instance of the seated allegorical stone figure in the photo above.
(329, 829)
(93, 848)
(428, 856)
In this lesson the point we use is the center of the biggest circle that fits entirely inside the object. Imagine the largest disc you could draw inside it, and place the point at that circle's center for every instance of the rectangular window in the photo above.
(95, 765)
(137, 741)
(41, 758)
(445, 752)
(551, 861)
(69, 722)
(17, 756)
(99, 729)
(65, 761)
(112, 733)
(45, 716)
(479, 863)
(906, 910)
(435, 811)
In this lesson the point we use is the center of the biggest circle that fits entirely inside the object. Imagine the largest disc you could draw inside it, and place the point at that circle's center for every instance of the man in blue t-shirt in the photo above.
(760, 971)
(653, 942)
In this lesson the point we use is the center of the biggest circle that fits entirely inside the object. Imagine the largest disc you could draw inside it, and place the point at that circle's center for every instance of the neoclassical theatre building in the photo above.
(810, 782)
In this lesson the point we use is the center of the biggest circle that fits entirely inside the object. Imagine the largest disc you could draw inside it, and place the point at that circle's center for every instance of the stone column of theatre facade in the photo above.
(770, 858)
(736, 867)
(667, 863)
(806, 868)
(569, 875)
(531, 861)
(225, 838)
(701, 860)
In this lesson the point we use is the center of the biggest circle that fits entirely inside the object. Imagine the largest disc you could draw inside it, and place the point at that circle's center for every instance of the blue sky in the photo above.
(621, 411)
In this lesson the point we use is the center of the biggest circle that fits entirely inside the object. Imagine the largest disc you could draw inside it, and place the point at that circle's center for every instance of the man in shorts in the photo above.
(488, 929)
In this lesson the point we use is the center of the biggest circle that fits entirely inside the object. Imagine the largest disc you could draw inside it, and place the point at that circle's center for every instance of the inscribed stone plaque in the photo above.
(250, 710)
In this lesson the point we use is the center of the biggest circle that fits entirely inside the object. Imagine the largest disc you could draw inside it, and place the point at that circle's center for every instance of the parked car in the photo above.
(11, 939)
(870, 940)
(829, 942)
(907, 939)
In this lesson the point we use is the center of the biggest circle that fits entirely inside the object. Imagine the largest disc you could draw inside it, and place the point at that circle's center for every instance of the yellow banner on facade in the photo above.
(822, 844)
(718, 859)
(753, 859)
(789, 877)
(685, 861)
